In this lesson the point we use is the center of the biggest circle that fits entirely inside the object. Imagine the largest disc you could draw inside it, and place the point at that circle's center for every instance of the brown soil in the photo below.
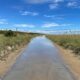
(71, 60)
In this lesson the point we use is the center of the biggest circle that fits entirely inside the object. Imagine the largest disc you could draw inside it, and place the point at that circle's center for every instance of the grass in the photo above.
(12, 43)
(71, 42)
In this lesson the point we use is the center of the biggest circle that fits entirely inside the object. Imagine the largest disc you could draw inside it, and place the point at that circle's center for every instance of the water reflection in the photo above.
(39, 61)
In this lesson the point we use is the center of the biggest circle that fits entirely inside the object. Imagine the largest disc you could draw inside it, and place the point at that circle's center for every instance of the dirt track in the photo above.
(71, 60)
(39, 61)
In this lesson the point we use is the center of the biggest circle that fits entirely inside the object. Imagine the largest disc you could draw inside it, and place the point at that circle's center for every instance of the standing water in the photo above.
(39, 61)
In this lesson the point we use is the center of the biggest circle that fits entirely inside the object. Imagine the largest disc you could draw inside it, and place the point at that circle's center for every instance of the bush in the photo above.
(62, 42)
(77, 50)
(9, 33)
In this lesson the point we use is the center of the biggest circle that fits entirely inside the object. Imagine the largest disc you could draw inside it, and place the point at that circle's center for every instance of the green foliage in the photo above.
(9, 33)
(77, 50)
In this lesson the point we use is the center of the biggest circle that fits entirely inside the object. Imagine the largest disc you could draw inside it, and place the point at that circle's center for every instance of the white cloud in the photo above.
(3, 21)
(49, 16)
(48, 25)
(53, 6)
(28, 13)
(58, 0)
(52, 3)
(54, 16)
(73, 4)
(48, 31)
(24, 25)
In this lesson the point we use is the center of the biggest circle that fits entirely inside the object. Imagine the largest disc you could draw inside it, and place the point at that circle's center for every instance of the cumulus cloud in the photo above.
(53, 6)
(24, 25)
(28, 13)
(74, 4)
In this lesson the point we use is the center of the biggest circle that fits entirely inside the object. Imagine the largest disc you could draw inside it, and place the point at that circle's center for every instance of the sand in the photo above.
(5, 65)
(71, 60)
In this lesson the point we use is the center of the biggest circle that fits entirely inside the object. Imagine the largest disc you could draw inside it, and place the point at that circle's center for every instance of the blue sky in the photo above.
(40, 15)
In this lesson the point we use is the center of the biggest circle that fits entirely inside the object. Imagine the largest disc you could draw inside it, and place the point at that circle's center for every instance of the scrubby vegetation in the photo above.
(10, 33)
(71, 42)
(11, 41)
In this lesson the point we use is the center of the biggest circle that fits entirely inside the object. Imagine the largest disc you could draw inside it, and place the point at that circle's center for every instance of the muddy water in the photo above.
(39, 61)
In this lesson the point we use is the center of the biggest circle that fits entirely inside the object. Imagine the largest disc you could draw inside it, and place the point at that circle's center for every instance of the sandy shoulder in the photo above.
(71, 60)
(5, 65)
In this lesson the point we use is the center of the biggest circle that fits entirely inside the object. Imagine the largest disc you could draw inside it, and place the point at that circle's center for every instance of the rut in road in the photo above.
(39, 61)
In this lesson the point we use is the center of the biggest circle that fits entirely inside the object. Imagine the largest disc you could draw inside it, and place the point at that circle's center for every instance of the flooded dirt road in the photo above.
(39, 61)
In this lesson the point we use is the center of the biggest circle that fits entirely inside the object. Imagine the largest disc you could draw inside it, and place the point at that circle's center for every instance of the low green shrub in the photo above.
(77, 50)
(9, 33)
